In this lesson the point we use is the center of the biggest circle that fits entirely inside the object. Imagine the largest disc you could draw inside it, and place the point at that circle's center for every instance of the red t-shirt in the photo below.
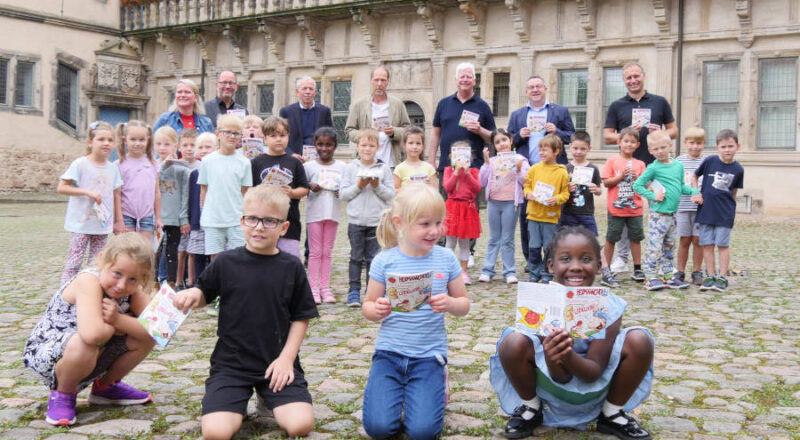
(188, 121)
(622, 194)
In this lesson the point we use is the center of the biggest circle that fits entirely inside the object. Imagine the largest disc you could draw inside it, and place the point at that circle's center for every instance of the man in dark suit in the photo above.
(529, 125)
(305, 116)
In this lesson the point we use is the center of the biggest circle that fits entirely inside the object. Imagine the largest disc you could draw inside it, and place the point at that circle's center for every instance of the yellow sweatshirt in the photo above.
(554, 182)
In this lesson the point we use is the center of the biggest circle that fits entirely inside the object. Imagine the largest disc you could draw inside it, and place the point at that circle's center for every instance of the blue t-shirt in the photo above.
(448, 114)
(420, 333)
(720, 179)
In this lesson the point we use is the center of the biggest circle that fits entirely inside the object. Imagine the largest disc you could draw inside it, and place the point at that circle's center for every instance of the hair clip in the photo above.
(93, 125)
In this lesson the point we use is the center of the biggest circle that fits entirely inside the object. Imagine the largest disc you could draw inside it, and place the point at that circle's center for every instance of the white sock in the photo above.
(534, 404)
(609, 409)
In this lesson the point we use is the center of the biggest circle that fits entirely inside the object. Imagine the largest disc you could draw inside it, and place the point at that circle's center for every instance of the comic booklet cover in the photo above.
(467, 116)
(640, 116)
(420, 177)
(461, 156)
(536, 122)
(238, 112)
(543, 191)
(158, 234)
(309, 153)
(380, 122)
(160, 318)
(655, 186)
(329, 179)
(252, 147)
(541, 308)
(582, 175)
(103, 213)
(505, 161)
(371, 172)
(276, 175)
(407, 292)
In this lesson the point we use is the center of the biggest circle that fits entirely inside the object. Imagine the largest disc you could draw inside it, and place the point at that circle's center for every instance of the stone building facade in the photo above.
(720, 63)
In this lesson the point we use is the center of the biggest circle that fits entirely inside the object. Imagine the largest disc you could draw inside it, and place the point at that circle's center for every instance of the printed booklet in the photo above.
(505, 161)
(582, 175)
(407, 292)
(468, 116)
(160, 318)
(655, 186)
(329, 179)
(536, 122)
(542, 192)
(640, 116)
(252, 147)
(461, 156)
(309, 153)
(103, 213)
(541, 308)
(380, 122)
(276, 175)
(370, 173)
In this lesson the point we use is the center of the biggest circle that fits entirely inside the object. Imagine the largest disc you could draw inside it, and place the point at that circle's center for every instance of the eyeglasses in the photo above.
(233, 134)
(252, 221)
(227, 83)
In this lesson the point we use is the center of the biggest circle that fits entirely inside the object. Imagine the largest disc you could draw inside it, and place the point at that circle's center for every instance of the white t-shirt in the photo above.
(224, 175)
(380, 119)
(324, 204)
(81, 216)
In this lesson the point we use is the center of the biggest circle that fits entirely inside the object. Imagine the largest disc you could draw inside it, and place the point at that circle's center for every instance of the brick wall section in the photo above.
(30, 170)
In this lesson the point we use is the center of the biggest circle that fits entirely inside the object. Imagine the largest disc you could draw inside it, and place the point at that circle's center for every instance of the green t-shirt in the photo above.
(670, 177)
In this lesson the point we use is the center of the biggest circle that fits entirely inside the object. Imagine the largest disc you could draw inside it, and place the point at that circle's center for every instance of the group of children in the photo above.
(265, 297)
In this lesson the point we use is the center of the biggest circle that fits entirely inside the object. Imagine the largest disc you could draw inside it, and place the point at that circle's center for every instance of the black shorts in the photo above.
(230, 390)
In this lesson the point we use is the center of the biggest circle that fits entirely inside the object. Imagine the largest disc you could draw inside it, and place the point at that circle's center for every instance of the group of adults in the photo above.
(388, 114)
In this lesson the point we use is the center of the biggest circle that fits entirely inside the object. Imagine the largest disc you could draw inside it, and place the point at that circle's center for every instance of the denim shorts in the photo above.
(142, 224)
(714, 235)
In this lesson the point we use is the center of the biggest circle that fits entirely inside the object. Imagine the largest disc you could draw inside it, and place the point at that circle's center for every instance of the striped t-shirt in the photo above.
(420, 333)
(689, 165)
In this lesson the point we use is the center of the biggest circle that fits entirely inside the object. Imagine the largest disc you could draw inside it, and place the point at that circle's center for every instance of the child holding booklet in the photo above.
(252, 137)
(276, 162)
(89, 333)
(406, 386)
(546, 188)
(265, 305)
(367, 187)
(667, 185)
(463, 221)
(323, 211)
(140, 197)
(414, 168)
(503, 176)
(559, 381)
(92, 184)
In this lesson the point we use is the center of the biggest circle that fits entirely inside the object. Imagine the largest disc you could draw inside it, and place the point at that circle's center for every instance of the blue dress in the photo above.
(575, 403)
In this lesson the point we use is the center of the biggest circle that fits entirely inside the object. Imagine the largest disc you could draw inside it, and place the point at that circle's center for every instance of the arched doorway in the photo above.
(415, 113)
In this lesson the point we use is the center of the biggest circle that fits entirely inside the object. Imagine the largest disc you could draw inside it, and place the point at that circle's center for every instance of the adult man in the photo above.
(639, 109)
(305, 116)
(382, 112)
(528, 126)
(645, 112)
(448, 128)
(223, 102)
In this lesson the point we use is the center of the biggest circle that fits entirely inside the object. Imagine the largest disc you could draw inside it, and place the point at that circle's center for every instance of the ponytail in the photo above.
(387, 232)
(121, 150)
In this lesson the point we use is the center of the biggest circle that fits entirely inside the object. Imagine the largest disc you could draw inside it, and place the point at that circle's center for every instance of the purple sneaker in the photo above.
(118, 393)
(61, 409)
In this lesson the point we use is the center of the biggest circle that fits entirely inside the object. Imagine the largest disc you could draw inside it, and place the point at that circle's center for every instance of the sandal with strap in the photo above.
(629, 431)
(518, 427)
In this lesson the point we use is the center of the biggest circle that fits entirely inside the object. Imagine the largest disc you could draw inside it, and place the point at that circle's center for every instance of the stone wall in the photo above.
(31, 170)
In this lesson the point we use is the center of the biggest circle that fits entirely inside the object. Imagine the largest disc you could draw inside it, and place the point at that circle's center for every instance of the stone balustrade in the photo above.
(166, 13)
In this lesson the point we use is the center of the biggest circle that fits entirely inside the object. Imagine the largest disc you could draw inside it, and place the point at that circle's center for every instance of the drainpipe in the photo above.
(203, 79)
(680, 75)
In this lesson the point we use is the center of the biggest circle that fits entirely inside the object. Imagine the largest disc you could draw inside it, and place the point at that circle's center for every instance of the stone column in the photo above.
(439, 77)
(281, 97)
(748, 99)
(526, 58)
(664, 71)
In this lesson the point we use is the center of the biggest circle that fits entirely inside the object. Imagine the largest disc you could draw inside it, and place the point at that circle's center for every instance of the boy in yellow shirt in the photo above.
(547, 188)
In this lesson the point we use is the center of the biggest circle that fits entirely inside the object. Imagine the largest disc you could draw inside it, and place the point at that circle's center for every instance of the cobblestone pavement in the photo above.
(727, 365)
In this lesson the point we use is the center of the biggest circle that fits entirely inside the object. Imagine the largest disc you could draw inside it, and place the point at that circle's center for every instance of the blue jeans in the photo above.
(398, 384)
(539, 236)
(502, 222)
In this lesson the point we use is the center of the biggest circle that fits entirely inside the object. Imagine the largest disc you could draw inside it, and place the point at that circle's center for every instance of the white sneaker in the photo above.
(618, 265)
(511, 279)
(471, 261)
(484, 278)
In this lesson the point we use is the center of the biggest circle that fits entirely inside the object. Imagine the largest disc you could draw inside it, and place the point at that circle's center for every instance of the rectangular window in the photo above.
(241, 96)
(67, 95)
(777, 103)
(23, 95)
(572, 92)
(720, 97)
(266, 99)
(500, 94)
(341, 107)
(613, 89)
(3, 81)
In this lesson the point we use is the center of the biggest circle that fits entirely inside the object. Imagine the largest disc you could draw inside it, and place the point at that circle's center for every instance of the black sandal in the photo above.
(517, 427)
(629, 431)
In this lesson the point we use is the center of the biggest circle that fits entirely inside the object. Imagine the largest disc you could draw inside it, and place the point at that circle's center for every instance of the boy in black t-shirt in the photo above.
(585, 183)
(722, 177)
(265, 306)
(278, 168)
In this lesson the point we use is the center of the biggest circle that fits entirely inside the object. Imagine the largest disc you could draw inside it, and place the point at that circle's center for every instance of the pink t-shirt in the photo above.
(139, 178)
(504, 184)
(622, 197)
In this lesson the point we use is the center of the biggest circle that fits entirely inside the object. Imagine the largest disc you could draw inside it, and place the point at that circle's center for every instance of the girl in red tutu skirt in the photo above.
(462, 221)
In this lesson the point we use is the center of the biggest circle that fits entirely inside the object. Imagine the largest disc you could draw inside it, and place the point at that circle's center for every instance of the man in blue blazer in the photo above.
(305, 116)
(529, 125)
